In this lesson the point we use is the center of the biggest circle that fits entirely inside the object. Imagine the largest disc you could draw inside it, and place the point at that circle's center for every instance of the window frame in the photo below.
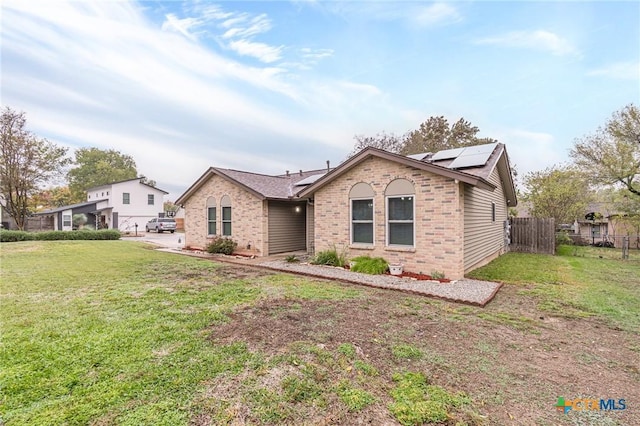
(493, 211)
(226, 221)
(388, 221)
(213, 221)
(352, 221)
(64, 221)
(126, 198)
(151, 199)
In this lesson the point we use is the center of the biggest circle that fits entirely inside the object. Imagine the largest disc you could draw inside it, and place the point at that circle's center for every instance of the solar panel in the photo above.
(480, 149)
(309, 180)
(419, 157)
(447, 154)
(470, 160)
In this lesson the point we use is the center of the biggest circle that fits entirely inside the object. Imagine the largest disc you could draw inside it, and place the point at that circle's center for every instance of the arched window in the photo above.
(400, 199)
(361, 202)
(225, 205)
(212, 222)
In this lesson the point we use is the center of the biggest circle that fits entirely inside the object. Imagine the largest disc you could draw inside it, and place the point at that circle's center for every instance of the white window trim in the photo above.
(373, 221)
(222, 221)
(387, 221)
(215, 219)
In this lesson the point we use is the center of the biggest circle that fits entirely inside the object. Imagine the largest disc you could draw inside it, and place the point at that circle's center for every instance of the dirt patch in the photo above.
(513, 362)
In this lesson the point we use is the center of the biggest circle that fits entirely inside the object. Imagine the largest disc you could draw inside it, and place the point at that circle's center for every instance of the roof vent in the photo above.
(328, 165)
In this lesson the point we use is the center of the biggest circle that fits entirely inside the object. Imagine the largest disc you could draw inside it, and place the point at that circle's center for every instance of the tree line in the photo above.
(605, 164)
(29, 164)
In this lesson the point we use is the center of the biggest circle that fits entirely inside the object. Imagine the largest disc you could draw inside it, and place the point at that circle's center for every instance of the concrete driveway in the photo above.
(166, 239)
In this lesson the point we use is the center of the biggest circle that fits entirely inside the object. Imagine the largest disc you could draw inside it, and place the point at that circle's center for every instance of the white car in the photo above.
(161, 224)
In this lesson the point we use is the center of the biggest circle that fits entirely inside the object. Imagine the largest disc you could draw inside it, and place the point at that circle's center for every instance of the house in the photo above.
(603, 225)
(260, 212)
(119, 205)
(444, 212)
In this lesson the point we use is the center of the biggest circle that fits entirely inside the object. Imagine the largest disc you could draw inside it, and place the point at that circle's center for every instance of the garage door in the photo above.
(287, 227)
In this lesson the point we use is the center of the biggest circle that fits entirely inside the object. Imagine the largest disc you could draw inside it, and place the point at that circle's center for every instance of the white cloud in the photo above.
(181, 26)
(537, 40)
(435, 14)
(261, 51)
(619, 70)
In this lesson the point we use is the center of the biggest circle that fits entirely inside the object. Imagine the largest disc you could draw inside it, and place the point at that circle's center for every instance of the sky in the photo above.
(270, 86)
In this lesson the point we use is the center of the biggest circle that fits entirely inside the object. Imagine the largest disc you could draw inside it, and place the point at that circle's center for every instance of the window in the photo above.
(362, 221)
(361, 197)
(493, 212)
(400, 213)
(66, 220)
(150, 199)
(125, 198)
(211, 216)
(225, 203)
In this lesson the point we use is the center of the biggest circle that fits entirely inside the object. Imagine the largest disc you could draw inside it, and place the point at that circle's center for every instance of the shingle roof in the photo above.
(69, 207)
(281, 187)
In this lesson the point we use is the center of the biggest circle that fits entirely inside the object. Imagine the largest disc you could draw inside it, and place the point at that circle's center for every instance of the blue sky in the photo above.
(271, 86)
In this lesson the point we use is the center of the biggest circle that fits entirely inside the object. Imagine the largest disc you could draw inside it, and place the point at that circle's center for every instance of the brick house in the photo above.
(260, 212)
(442, 212)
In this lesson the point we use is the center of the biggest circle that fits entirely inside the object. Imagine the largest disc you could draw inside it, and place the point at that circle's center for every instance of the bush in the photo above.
(330, 257)
(7, 236)
(222, 245)
(562, 239)
(104, 234)
(370, 265)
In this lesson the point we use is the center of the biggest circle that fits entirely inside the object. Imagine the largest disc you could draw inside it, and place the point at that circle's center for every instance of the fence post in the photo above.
(625, 247)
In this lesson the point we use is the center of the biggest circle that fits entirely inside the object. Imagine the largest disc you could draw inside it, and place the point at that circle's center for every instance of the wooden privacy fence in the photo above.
(533, 235)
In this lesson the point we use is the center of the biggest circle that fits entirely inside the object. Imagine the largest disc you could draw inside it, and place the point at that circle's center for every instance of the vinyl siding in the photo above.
(287, 228)
(483, 239)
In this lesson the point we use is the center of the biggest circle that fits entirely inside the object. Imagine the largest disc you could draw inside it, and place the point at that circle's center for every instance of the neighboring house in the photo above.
(441, 212)
(602, 223)
(119, 205)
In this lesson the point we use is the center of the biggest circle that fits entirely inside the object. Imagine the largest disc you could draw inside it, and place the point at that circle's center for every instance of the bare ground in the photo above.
(512, 360)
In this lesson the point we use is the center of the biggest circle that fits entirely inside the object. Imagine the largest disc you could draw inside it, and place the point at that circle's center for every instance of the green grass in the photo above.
(416, 402)
(578, 283)
(405, 351)
(113, 332)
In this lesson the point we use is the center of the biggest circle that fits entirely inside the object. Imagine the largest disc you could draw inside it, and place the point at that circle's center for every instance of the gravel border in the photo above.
(472, 292)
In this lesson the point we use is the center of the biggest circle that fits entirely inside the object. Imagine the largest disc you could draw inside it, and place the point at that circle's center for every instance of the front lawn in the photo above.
(578, 282)
(112, 332)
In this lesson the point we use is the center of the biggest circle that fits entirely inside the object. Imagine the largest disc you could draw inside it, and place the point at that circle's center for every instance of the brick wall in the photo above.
(248, 216)
(438, 218)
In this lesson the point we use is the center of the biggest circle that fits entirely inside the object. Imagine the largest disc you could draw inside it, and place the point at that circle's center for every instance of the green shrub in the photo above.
(370, 265)
(437, 275)
(562, 238)
(330, 257)
(222, 245)
(85, 234)
(291, 259)
(7, 236)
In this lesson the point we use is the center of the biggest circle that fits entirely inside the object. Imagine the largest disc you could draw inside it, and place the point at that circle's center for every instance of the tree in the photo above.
(558, 192)
(435, 134)
(385, 141)
(26, 163)
(50, 198)
(95, 167)
(611, 155)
